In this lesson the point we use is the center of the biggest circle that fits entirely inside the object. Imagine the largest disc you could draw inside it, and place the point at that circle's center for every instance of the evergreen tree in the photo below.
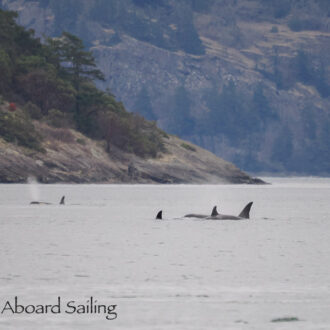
(77, 63)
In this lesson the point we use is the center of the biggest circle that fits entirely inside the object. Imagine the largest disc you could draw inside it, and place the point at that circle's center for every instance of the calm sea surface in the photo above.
(269, 272)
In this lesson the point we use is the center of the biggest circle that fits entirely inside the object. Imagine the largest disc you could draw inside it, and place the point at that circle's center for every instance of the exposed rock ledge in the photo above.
(82, 160)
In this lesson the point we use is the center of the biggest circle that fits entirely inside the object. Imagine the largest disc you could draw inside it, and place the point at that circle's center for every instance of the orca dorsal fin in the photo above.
(62, 200)
(159, 215)
(214, 212)
(246, 211)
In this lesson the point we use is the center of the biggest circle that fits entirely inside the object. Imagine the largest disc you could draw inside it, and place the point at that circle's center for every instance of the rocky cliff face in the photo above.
(248, 80)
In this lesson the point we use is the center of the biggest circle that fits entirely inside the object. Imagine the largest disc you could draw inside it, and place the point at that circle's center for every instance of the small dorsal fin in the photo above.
(246, 211)
(214, 212)
(159, 215)
(62, 200)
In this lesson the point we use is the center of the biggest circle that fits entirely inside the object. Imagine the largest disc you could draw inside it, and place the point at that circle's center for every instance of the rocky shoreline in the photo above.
(71, 157)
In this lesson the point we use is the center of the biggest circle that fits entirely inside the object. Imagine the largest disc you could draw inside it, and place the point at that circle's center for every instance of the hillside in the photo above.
(66, 155)
(58, 127)
(248, 79)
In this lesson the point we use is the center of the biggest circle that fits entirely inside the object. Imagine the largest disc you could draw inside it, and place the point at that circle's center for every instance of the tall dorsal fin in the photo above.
(62, 200)
(246, 211)
(159, 215)
(214, 212)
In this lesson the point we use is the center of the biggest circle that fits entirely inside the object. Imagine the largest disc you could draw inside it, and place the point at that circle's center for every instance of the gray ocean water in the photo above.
(269, 272)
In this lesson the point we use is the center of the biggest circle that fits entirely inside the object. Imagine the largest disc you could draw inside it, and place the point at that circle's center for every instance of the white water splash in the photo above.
(34, 188)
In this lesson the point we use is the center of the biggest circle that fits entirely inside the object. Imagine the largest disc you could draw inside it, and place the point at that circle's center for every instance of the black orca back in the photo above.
(159, 215)
(246, 211)
(214, 212)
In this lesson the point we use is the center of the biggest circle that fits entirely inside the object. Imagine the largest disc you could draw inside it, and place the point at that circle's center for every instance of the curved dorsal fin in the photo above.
(214, 212)
(159, 215)
(246, 211)
(62, 200)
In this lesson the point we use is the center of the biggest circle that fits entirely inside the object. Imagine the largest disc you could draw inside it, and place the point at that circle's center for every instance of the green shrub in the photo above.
(32, 110)
(188, 147)
(164, 134)
(81, 141)
(57, 118)
(18, 128)
(130, 133)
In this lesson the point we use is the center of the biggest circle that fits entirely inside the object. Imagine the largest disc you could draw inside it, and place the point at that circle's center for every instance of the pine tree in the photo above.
(77, 63)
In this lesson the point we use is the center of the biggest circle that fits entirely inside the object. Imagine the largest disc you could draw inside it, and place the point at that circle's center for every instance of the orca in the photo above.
(39, 203)
(159, 216)
(193, 215)
(214, 211)
(245, 214)
(201, 216)
(46, 203)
